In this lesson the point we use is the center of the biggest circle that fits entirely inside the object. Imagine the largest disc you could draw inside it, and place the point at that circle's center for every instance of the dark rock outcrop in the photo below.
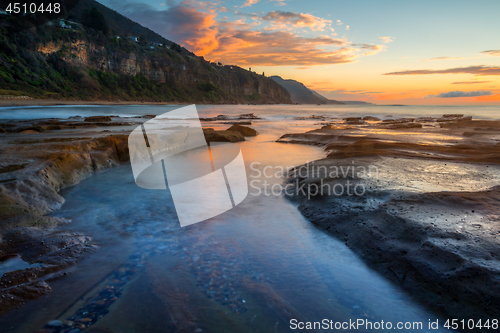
(244, 130)
(371, 118)
(98, 119)
(354, 121)
(30, 191)
(212, 135)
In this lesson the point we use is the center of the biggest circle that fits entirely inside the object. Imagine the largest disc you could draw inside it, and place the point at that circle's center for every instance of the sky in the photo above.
(383, 51)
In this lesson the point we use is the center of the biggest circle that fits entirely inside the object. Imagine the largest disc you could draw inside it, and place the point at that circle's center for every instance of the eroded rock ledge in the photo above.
(29, 188)
(427, 219)
(39, 158)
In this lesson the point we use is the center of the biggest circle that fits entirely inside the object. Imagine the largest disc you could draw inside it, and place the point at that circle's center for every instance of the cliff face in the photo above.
(301, 94)
(86, 64)
(191, 71)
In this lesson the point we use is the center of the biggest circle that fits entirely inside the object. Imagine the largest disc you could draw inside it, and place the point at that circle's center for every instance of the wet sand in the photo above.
(426, 216)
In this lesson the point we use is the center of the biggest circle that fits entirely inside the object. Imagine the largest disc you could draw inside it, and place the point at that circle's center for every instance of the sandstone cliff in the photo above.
(84, 63)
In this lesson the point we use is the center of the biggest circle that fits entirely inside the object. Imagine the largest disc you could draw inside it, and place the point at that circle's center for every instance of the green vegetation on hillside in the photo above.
(95, 62)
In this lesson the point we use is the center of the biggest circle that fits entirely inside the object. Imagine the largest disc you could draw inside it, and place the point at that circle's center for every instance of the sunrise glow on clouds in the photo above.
(347, 50)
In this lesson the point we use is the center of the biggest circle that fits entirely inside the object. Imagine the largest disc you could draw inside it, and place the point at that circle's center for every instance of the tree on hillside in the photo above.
(143, 39)
(95, 20)
(176, 47)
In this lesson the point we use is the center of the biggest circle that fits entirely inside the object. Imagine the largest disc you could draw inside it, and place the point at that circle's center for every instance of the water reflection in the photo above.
(13, 262)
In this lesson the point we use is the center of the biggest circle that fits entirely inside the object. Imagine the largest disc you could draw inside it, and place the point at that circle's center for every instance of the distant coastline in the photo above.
(53, 102)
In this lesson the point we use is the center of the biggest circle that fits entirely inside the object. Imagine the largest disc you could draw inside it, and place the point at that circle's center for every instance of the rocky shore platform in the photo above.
(39, 158)
(417, 199)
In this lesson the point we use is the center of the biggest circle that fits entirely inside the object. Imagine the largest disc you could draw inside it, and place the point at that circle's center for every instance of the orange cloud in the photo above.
(191, 24)
(205, 41)
(443, 58)
(279, 48)
(370, 49)
(477, 70)
(471, 82)
(249, 3)
(196, 26)
(387, 39)
(495, 53)
(280, 2)
(297, 20)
